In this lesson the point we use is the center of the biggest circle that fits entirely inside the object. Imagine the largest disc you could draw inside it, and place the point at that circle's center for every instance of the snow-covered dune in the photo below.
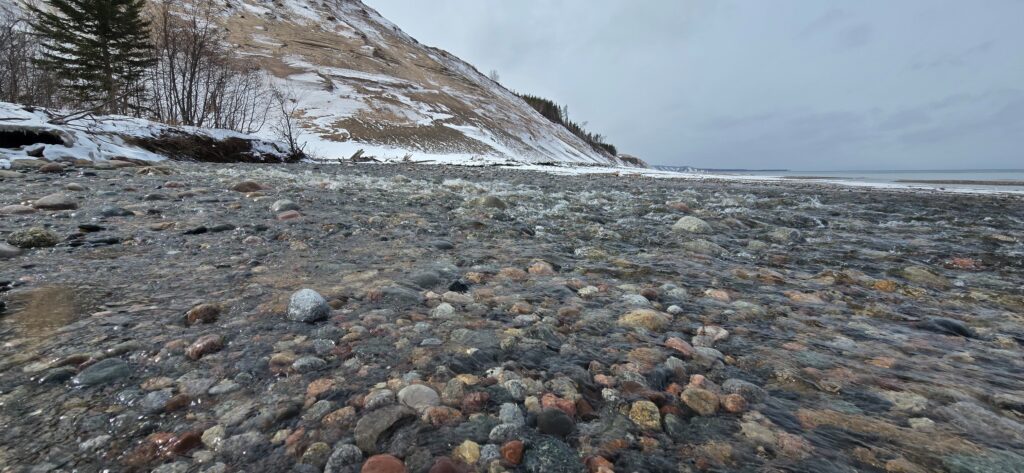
(361, 83)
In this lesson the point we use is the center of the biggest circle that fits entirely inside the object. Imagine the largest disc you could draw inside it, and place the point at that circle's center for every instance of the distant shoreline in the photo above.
(962, 182)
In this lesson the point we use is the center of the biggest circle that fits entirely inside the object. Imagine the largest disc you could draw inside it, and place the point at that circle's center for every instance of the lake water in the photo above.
(982, 179)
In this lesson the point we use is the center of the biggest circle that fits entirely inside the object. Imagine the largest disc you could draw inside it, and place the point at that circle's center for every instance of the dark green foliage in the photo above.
(98, 49)
(560, 115)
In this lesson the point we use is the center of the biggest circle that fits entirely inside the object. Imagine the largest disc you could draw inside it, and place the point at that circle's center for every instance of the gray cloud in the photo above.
(725, 83)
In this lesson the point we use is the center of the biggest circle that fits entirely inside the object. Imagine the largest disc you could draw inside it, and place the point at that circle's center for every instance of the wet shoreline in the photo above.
(618, 322)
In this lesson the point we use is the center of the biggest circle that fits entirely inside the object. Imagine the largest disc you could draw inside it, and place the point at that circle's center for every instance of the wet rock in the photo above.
(56, 202)
(308, 364)
(551, 455)
(344, 459)
(316, 454)
(512, 452)
(785, 235)
(16, 210)
(247, 186)
(691, 224)
(102, 372)
(645, 318)
(284, 205)
(113, 211)
(8, 251)
(203, 313)
(645, 415)
(510, 414)
(947, 326)
(289, 215)
(555, 422)
(204, 346)
(383, 464)
(751, 392)
(34, 237)
(418, 397)
(467, 452)
(244, 447)
(702, 401)
(372, 425)
(491, 202)
(924, 276)
(308, 306)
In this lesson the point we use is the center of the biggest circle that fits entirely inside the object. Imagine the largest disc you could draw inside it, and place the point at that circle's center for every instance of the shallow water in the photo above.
(865, 365)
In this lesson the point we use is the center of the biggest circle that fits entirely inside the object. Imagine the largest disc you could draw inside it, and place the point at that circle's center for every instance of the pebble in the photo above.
(691, 224)
(555, 422)
(702, 401)
(645, 414)
(203, 313)
(308, 364)
(467, 452)
(383, 464)
(512, 452)
(204, 346)
(645, 318)
(284, 205)
(344, 458)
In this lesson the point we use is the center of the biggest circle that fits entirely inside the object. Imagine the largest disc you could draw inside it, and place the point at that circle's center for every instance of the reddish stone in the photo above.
(734, 403)
(440, 415)
(289, 215)
(550, 401)
(445, 465)
(180, 401)
(681, 346)
(475, 401)
(203, 313)
(383, 464)
(585, 410)
(512, 452)
(650, 294)
(205, 345)
(184, 443)
(597, 464)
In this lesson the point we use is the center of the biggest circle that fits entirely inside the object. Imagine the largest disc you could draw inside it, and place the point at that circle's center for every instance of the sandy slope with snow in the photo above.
(361, 83)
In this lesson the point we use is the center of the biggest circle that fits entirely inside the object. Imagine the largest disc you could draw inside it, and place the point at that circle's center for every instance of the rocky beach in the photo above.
(188, 317)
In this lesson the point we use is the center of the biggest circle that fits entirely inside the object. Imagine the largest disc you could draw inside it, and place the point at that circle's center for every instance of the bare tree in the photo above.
(196, 81)
(493, 75)
(286, 125)
(20, 80)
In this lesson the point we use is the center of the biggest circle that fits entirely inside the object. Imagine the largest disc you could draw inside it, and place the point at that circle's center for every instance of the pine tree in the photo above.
(99, 49)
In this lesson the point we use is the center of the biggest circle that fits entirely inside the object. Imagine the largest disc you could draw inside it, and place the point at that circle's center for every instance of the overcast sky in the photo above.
(797, 84)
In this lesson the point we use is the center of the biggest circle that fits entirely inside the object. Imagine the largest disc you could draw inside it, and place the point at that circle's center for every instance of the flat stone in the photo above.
(8, 251)
(370, 427)
(55, 202)
(102, 372)
(16, 210)
(419, 397)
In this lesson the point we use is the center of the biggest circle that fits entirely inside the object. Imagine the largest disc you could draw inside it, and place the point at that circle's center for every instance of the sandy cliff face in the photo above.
(361, 83)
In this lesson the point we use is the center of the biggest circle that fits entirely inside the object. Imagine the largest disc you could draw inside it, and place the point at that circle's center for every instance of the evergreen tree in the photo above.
(98, 49)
